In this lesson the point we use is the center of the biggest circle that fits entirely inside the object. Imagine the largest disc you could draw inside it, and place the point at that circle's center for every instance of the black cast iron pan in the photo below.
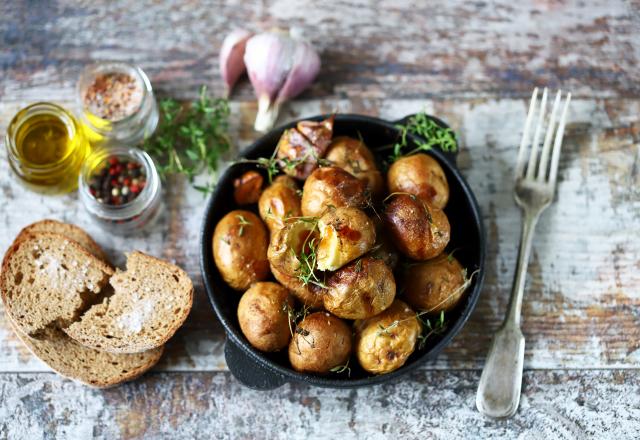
(267, 371)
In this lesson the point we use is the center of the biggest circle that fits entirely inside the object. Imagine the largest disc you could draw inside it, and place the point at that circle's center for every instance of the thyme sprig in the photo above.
(428, 135)
(242, 222)
(191, 138)
(295, 316)
(342, 368)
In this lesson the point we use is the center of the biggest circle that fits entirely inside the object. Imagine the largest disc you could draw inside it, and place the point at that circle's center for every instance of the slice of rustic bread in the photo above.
(92, 367)
(47, 278)
(151, 300)
(70, 231)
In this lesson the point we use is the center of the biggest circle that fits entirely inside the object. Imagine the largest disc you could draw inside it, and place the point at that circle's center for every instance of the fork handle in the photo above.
(501, 381)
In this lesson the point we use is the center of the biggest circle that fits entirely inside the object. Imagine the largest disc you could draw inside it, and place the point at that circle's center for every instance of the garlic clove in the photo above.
(232, 57)
(304, 69)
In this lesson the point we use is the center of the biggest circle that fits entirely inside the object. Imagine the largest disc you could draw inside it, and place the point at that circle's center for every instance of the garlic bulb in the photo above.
(279, 67)
(231, 57)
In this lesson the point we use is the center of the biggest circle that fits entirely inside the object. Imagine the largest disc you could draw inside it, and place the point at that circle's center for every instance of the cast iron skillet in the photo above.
(267, 371)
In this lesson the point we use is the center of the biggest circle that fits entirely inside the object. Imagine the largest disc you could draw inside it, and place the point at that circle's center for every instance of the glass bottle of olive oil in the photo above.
(46, 147)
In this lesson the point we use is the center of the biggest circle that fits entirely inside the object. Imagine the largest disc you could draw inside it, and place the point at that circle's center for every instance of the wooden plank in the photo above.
(431, 405)
(391, 49)
(583, 291)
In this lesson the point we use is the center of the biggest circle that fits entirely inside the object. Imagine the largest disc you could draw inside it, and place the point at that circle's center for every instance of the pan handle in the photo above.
(249, 372)
(450, 156)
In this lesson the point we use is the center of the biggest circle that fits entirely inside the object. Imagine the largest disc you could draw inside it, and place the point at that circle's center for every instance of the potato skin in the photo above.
(304, 145)
(331, 186)
(352, 155)
(247, 188)
(345, 234)
(279, 201)
(422, 176)
(240, 251)
(263, 318)
(285, 264)
(419, 231)
(321, 342)
(383, 351)
(434, 285)
(360, 290)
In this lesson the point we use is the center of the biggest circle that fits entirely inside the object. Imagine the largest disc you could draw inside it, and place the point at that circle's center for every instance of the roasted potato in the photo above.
(263, 317)
(345, 234)
(384, 342)
(247, 188)
(279, 201)
(240, 242)
(320, 343)
(331, 187)
(435, 285)
(352, 155)
(360, 290)
(285, 249)
(419, 231)
(384, 249)
(299, 149)
(422, 176)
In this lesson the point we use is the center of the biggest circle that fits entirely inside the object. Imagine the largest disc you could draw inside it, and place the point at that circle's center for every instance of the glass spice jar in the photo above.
(121, 189)
(116, 104)
(46, 147)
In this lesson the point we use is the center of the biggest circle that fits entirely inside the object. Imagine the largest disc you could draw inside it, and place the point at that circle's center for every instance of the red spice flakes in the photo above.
(113, 96)
(118, 181)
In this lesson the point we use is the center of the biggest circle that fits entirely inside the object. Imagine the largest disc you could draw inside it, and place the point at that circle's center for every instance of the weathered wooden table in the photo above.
(471, 63)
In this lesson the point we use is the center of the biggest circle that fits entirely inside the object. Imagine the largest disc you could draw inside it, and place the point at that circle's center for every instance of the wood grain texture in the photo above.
(428, 405)
(384, 49)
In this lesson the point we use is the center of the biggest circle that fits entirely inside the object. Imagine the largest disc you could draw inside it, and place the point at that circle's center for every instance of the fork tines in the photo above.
(535, 169)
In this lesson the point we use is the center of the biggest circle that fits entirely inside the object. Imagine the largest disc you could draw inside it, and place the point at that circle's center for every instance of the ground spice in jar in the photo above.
(118, 181)
(113, 96)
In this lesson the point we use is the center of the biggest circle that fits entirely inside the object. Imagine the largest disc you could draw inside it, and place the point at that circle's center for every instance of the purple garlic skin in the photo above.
(232, 57)
(279, 67)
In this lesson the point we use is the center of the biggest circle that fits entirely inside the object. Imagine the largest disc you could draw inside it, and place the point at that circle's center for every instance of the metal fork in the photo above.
(535, 183)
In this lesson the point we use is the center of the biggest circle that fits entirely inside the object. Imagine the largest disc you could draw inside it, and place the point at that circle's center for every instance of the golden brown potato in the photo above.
(263, 317)
(299, 149)
(352, 155)
(384, 342)
(278, 202)
(285, 249)
(320, 343)
(240, 243)
(360, 290)
(247, 188)
(422, 176)
(418, 230)
(435, 285)
(331, 187)
(345, 234)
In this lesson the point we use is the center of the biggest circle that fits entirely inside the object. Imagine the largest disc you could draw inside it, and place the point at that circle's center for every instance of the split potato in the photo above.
(240, 242)
(352, 155)
(422, 176)
(299, 149)
(360, 289)
(435, 285)
(279, 201)
(263, 316)
(419, 231)
(295, 239)
(331, 187)
(320, 343)
(384, 342)
(344, 235)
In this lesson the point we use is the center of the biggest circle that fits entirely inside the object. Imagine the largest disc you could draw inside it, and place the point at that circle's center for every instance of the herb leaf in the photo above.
(428, 135)
(190, 138)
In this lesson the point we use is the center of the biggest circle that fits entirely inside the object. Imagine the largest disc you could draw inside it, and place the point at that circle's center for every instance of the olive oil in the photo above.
(43, 140)
(46, 148)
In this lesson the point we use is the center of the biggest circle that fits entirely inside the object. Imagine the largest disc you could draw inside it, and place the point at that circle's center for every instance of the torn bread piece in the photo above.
(68, 230)
(49, 279)
(92, 367)
(151, 300)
